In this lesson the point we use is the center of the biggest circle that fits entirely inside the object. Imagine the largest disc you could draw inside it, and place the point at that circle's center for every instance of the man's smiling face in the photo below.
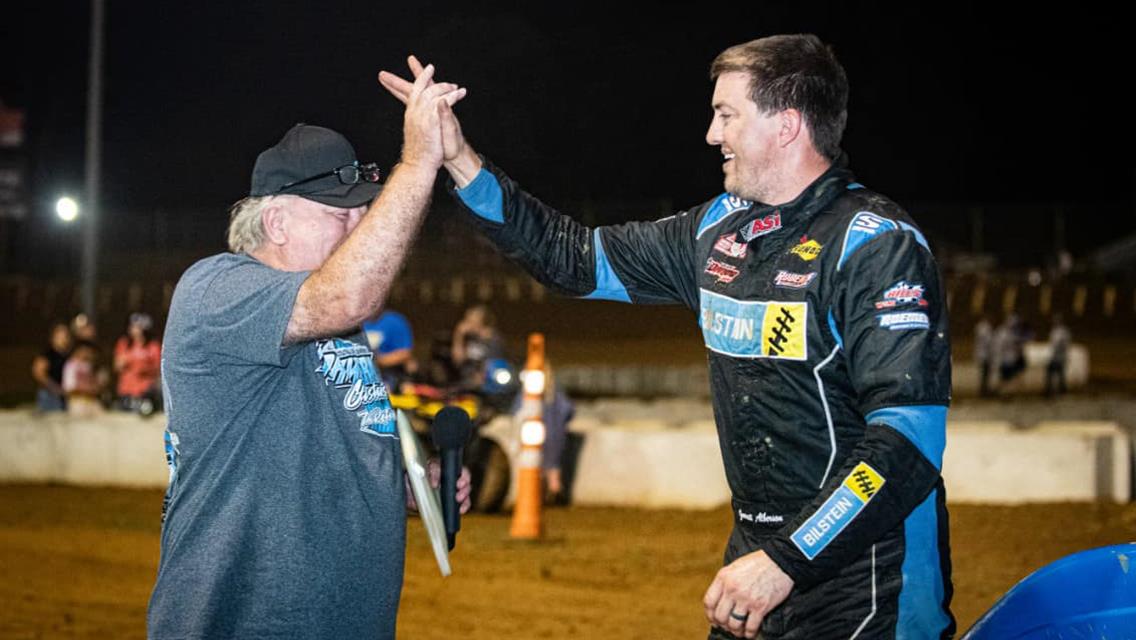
(748, 138)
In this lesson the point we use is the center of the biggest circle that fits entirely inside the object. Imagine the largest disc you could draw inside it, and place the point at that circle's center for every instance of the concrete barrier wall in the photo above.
(995, 462)
(651, 468)
(117, 449)
(985, 462)
(643, 463)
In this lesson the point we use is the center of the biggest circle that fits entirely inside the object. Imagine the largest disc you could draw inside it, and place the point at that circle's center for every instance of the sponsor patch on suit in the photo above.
(722, 272)
(901, 294)
(904, 320)
(753, 328)
(790, 280)
(761, 226)
(807, 250)
(839, 510)
(731, 248)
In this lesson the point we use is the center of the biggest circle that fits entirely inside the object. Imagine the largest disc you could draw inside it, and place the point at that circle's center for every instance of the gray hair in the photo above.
(246, 230)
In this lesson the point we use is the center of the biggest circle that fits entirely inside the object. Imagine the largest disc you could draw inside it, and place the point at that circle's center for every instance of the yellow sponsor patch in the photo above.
(783, 330)
(807, 251)
(864, 481)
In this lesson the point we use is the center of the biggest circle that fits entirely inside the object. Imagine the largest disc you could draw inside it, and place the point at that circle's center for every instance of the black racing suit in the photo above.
(826, 331)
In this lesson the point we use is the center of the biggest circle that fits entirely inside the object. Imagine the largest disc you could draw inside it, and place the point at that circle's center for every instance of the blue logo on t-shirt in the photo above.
(346, 365)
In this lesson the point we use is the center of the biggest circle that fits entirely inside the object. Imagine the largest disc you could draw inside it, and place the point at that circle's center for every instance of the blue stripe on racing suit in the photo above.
(925, 426)
(922, 575)
(608, 284)
(483, 196)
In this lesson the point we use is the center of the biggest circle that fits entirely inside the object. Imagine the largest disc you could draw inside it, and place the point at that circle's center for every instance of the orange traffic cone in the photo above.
(527, 510)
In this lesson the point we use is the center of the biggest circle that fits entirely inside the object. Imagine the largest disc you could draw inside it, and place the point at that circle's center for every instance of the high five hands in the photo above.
(427, 105)
(456, 154)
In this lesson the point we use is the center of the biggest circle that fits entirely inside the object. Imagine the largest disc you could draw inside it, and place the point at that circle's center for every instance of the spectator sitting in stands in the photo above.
(47, 370)
(137, 361)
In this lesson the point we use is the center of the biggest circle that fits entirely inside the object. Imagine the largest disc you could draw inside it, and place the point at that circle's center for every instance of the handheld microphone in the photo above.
(450, 432)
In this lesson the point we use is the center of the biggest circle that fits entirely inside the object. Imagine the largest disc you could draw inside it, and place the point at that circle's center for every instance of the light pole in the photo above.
(90, 262)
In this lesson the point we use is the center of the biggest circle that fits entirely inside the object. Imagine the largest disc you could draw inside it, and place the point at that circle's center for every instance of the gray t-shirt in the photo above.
(286, 513)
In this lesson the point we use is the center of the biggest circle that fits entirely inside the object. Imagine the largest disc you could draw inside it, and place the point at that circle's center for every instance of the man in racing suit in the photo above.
(826, 330)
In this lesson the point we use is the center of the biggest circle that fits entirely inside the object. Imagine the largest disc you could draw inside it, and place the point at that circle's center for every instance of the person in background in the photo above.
(81, 381)
(1009, 347)
(137, 361)
(557, 410)
(392, 341)
(47, 370)
(440, 370)
(1059, 339)
(983, 354)
(476, 341)
(83, 330)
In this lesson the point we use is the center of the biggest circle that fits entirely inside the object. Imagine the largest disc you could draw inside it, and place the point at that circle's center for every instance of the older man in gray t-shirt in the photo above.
(286, 510)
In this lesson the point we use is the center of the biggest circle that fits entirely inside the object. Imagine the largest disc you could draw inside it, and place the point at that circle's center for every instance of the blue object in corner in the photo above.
(1090, 594)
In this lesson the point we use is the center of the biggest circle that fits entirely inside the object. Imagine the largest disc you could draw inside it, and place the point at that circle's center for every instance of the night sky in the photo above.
(949, 103)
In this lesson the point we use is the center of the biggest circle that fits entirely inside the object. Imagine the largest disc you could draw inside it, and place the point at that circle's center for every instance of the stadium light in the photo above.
(67, 209)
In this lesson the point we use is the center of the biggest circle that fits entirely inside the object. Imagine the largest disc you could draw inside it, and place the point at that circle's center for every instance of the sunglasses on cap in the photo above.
(353, 173)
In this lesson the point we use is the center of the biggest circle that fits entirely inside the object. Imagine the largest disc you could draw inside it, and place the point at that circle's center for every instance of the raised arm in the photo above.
(356, 278)
(635, 262)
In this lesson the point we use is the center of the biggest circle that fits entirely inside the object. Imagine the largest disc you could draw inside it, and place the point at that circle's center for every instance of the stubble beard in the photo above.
(753, 190)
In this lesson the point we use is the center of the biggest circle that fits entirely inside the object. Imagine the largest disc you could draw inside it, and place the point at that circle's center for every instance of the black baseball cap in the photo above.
(307, 151)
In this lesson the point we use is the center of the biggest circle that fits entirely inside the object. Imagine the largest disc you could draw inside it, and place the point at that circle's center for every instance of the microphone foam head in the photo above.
(451, 428)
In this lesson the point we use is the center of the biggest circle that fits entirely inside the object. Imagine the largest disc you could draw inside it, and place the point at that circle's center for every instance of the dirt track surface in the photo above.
(79, 563)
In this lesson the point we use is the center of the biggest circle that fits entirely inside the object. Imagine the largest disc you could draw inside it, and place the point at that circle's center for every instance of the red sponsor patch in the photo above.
(730, 247)
(902, 293)
(762, 226)
(724, 273)
(792, 280)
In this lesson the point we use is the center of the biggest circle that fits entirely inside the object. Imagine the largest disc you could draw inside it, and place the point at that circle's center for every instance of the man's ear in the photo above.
(272, 218)
(792, 127)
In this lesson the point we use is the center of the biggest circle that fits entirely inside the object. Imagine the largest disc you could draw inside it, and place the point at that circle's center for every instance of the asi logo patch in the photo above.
(729, 247)
(790, 280)
(761, 226)
(807, 250)
(902, 293)
(722, 272)
(841, 508)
